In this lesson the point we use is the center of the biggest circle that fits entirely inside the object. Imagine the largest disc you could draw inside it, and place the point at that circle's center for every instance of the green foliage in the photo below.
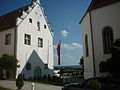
(82, 61)
(95, 84)
(9, 64)
(2, 88)
(113, 64)
(19, 81)
(7, 61)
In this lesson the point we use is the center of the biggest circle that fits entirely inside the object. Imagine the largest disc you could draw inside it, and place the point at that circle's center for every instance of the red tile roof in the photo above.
(9, 20)
(101, 3)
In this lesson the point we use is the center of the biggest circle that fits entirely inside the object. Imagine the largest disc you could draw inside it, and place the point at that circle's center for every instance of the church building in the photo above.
(100, 28)
(26, 34)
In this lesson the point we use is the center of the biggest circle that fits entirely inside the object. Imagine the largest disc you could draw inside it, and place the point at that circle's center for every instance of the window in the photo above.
(7, 39)
(27, 39)
(28, 66)
(30, 20)
(46, 66)
(45, 26)
(107, 34)
(40, 42)
(86, 45)
(38, 25)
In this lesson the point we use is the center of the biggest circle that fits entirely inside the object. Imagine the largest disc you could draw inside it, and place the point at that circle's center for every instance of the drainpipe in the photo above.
(15, 44)
(92, 44)
(15, 40)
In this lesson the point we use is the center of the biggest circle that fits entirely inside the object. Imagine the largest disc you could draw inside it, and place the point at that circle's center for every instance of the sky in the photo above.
(64, 16)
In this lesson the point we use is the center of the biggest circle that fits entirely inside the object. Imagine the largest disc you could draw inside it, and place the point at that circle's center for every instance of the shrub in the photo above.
(19, 81)
(95, 84)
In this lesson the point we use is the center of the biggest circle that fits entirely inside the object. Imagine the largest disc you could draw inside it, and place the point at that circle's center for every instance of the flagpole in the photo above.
(58, 53)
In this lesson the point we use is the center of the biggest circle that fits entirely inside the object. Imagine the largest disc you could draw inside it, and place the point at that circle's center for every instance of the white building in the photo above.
(100, 28)
(26, 34)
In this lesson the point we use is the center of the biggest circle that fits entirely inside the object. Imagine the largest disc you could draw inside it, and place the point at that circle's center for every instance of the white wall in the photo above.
(88, 61)
(105, 16)
(7, 49)
(27, 53)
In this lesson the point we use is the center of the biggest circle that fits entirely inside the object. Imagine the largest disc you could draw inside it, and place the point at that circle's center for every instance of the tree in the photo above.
(82, 61)
(19, 82)
(113, 64)
(8, 64)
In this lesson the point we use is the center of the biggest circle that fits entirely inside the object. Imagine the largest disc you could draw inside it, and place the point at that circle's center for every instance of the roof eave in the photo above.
(87, 11)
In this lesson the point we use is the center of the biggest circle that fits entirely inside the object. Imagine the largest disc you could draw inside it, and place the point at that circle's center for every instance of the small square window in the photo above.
(30, 20)
(7, 39)
(45, 26)
(46, 66)
(40, 42)
(27, 39)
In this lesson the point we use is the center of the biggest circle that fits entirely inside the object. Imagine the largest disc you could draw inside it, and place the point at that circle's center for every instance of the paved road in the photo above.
(27, 86)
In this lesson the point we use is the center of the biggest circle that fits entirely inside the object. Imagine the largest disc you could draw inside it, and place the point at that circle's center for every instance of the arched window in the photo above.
(28, 66)
(107, 34)
(86, 45)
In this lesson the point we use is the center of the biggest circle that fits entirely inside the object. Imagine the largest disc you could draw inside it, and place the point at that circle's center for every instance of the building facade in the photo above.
(100, 28)
(26, 34)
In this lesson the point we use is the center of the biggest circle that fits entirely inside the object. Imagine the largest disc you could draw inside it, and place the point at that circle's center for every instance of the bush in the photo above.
(95, 84)
(19, 81)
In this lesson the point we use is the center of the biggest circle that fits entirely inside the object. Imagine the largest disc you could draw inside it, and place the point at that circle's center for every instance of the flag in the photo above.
(58, 52)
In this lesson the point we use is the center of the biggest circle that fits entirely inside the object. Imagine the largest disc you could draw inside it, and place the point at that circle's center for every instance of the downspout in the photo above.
(15, 45)
(15, 40)
(92, 44)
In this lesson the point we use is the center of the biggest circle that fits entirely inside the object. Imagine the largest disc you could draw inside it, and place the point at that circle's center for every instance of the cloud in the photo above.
(64, 33)
(64, 55)
(71, 46)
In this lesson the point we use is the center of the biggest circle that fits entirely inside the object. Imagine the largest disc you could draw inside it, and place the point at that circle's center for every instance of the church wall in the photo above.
(101, 17)
(88, 61)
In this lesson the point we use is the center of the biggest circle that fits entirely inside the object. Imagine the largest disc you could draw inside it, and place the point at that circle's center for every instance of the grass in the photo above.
(40, 82)
(2, 88)
(45, 82)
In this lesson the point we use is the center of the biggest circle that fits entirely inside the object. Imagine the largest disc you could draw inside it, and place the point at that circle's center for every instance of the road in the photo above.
(27, 86)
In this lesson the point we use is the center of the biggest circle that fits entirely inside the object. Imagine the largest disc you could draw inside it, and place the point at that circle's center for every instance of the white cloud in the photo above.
(64, 56)
(64, 33)
(71, 46)
(54, 46)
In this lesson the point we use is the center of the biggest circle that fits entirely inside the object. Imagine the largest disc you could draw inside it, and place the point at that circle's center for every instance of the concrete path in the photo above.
(27, 86)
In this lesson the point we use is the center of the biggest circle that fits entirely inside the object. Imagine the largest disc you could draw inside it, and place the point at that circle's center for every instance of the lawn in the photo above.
(1, 88)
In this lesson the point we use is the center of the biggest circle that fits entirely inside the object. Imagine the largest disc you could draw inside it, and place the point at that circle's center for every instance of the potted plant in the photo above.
(19, 82)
